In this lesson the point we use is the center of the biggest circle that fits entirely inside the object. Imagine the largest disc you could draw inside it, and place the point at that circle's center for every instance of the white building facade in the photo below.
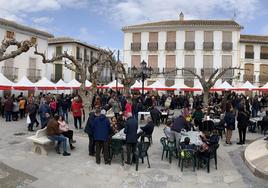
(27, 64)
(81, 51)
(191, 44)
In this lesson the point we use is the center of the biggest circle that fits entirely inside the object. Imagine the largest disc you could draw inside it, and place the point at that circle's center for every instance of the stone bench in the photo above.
(40, 141)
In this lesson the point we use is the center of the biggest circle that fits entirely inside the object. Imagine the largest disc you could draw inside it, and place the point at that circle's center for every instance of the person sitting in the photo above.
(114, 126)
(186, 144)
(148, 128)
(54, 134)
(168, 132)
(65, 131)
(164, 117)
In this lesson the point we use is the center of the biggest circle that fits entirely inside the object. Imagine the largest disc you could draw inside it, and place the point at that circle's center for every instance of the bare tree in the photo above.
(81, 69)
(22, 47)
(207, 84)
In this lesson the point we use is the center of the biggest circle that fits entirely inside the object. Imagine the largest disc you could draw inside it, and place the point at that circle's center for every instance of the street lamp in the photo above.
(143, 73)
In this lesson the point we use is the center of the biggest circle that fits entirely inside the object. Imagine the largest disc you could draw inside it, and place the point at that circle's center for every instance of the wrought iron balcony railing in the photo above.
(208, 46)
(227, 46)
(189, 46)
(170, 46)
(135, 46)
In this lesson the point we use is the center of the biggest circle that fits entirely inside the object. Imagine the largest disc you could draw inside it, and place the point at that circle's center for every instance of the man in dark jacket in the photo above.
(178, 124)
(243, 122)
(88, 130)
(101, 129)
(131, 128)
(148, 128)
(53, 133)
(43, 110)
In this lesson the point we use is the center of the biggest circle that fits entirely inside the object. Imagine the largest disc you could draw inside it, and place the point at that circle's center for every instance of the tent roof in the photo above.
(179, 86)
(74, 84)
(5, 84)
(45, 84)
(247, 86)
(61, 85)
(112, 85)
(88, 84)
(157, 86)
(137, 85)
(24, 84)
(223, 86)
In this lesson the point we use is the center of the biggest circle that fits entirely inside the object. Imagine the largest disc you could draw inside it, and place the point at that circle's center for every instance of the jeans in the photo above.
(8, 115)
(65, 115)
(242, 135)
(61, 139)
(79, 120)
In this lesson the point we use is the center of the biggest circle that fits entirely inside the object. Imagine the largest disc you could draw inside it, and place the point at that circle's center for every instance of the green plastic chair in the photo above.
(141, 152)
(116, 148)
(187, 155)
(169, 148)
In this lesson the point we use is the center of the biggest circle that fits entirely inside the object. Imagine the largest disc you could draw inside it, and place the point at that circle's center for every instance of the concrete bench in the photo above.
(40, 141)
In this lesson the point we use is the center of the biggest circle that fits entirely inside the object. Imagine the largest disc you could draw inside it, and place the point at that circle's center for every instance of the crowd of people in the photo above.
(53, 111)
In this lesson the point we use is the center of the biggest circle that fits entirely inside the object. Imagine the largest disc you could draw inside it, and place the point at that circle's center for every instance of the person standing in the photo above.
(15, 110)
(8, 107)
(32, 110)
(43, 110)
(22, 104)
(77, 109)
(101, 129)
(243, 121)
(128, 107)
(131, 127)
(88, 130)
(229, 120)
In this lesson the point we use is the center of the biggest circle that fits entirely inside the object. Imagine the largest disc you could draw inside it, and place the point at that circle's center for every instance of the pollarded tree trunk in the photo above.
(205, 97)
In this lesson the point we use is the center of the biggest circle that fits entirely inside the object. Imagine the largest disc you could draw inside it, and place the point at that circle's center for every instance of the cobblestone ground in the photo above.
(19, 167)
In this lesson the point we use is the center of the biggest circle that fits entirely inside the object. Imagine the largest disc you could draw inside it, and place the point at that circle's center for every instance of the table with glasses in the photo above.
(122, 136)
(194, 137)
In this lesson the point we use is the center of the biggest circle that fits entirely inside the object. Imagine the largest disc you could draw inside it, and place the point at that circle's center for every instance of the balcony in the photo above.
(249, 77)
(189, 46)
(34, 74)
(187, 74)
(86, 58)
(229, 73)
(170, 71)
(79, 56)
(249, 55)
(208, 46)
(264, 56)
(153, 46)
(263, 79)
(135, 46)
(227, 46)
(10, 72)
(155, 70)
(170, 46)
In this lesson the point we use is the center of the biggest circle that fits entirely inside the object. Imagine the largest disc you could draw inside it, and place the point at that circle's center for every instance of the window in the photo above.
(136, 37)
(226, 36)
(78, 55)
(264, 52)
(208, 65)
(85, 55)
(189, 36)
(249, 52)
(171, 65)
(153, 61)
(58, 50)
(208, 36)
(135, 60)
(153, 37)
(189, 61)
(226, 63)
(171, 36)
(10, 34)
(33, 40)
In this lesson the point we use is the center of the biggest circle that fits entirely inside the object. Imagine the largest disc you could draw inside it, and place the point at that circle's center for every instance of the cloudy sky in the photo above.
(99, 22)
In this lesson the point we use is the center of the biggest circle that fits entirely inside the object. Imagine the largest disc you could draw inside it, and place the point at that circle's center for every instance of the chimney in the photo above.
(181, 16)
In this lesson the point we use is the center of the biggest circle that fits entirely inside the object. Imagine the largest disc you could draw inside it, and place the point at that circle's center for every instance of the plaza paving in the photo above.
(19, 167)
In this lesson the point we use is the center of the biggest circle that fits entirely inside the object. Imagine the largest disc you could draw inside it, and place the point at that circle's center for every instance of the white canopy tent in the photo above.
(136, 86)
(61, 85)
(24, 84)
(74, 84)
(112, 85)
(158, 85)
(264, 87)
(247, 86)
(45, 84)
(179, 87)
(88, 84)
(5, 84)
(225, 86)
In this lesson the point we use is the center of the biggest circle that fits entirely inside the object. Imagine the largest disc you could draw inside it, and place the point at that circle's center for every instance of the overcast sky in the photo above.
(99, 22)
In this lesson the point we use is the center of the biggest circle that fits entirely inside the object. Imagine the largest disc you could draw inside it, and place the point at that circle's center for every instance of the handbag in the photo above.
(28, 119)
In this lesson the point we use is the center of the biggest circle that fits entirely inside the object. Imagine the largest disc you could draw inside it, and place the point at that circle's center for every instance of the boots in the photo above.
(66, 153)
(57, 150)
(72, 147)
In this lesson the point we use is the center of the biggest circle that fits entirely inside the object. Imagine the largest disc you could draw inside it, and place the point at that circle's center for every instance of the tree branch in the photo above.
(193, 73)
(213, 75)
(22, 47)
(222, 73)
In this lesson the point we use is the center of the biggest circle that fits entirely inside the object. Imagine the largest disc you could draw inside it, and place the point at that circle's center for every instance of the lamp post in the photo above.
(142, 74)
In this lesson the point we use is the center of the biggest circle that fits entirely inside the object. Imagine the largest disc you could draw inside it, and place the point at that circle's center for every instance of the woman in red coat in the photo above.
(128, 107)
(77, 109)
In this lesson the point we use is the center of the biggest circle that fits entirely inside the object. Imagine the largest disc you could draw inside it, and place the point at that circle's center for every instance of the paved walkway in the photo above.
(80, 170)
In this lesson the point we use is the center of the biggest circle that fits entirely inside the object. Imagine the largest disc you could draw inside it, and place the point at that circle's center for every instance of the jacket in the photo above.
(243, 120)
(131, 127)
(101, 128)
(77, 109)
(88, 127)
(53, 127)
(179, 124)
(148, 128)
(43, 109)
(229, 119)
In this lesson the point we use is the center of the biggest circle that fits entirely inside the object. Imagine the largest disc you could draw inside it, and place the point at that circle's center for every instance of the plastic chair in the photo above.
(187, 155)
(141, 152)
(116, 148)
(211, 154)
(169, 148)
(148, 136)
